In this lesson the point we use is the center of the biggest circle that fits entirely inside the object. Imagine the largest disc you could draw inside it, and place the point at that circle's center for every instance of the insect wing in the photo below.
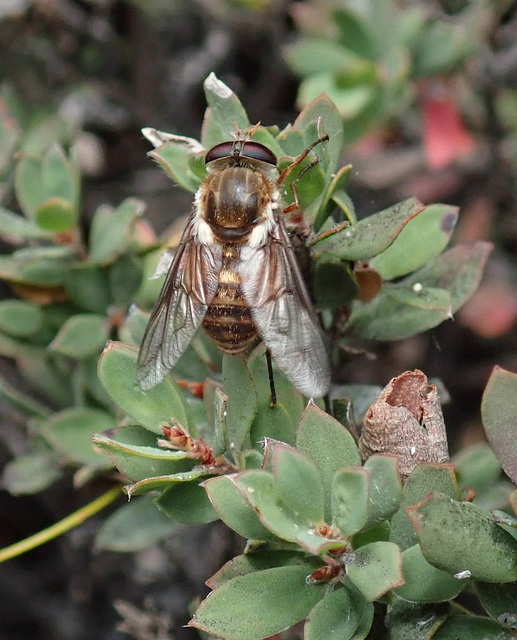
(189, 287)
(282, 312)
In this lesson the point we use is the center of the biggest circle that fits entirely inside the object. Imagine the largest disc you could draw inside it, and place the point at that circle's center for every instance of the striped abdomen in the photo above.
(228, 318)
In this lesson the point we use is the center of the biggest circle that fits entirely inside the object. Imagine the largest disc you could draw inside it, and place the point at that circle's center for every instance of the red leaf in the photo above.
(445, 135)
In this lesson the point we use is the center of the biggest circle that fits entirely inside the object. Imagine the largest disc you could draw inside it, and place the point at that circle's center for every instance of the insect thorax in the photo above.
(233, 201)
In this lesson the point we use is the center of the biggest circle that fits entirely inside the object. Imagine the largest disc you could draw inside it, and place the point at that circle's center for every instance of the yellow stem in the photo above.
(71, 521)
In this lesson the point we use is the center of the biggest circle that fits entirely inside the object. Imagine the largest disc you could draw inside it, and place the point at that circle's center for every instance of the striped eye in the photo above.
(241, 149)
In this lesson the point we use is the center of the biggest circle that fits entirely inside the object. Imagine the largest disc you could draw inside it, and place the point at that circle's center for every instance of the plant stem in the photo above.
(71, 521)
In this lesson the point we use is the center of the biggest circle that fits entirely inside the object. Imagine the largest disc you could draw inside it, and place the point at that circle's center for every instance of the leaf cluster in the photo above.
(328, 536)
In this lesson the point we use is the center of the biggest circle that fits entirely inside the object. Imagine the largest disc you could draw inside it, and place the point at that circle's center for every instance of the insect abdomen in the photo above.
(228, 318)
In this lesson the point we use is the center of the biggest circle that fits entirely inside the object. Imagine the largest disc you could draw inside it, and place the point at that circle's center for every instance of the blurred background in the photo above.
(428, 95)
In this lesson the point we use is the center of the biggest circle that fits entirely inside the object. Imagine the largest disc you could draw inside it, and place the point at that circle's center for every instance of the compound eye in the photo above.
(223, 150)
(257, 151)
(241, 149)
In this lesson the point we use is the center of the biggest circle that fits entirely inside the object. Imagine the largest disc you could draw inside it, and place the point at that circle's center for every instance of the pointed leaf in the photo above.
(499, 601)
(499, 415)
(20, 317)
(370, 236)
(298, 482)
(424, 479)
(337, 616)
(385, 488)
(71, 431)
(328, 444)
(445, 526)
(408, 253)
(117, 371)
(81, 336)
(134, 451)
(350, 489)
(247, 607)
(173, 158)
(111, 230)
(234, 510)
(134, 526)
(375, 569)
(241, 405)
(473, 628)
(425, 583)
(225, 106)
(30, 473)
(16, 228)
(187, 502)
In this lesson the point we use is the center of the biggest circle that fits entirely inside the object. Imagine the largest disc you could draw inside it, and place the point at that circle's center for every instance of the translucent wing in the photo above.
(282, 312)
(189, 287)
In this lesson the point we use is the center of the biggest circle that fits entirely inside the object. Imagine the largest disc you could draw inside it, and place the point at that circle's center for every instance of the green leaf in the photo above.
(234, 510)
(328, 444)
(499, 601)
(258, 560)
(59, 178)
(173, 158)
(16, 229)
(424, 479)
(20, 318)
(23, 401)
(287, 396)
(70, 432)
(225, 107)
(425, 583)
(30, 473)
(56, 215)
(259, 489)
(499, 415)
(88, 288)
(369, 236)
(408, 253)
(472, 628)
(28, 185)
(409, 621)
(241, 405)
(349, 500)
(344, 284)
(298, 482)
(385, 488)
(440, 48)
(336, 616)
(135, 452)
(112, 229)
(375, 569)
(418, 304)
(81, 336)
(354, 33)
(163, 403)
(477, 467)
(163, 483)
(259, 604)
(272, 422)
(459, 536)
(318, 55)
(321, 116)
(187, 502)
(39, 266)
(125, 277)
(133, 527)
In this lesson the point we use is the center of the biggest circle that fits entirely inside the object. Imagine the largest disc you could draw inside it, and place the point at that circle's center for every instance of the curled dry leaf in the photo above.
(406, 420)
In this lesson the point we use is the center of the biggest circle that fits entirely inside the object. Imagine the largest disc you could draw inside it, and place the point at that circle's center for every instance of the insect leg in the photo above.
(299, 158)
(271, 378)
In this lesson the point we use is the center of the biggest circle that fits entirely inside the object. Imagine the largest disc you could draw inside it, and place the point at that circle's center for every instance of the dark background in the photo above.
(115, 68)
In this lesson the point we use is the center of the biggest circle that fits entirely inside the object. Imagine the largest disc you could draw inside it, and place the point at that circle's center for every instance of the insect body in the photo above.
(235, 273)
